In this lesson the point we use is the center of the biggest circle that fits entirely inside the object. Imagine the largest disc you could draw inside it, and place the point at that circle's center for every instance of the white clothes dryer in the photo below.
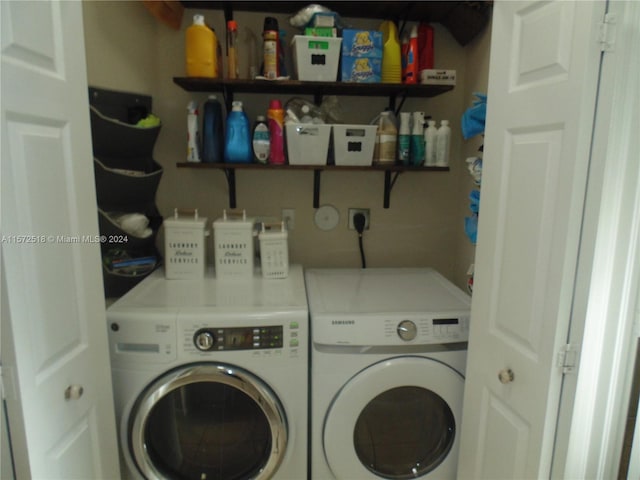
(387, 373)
(210, 378)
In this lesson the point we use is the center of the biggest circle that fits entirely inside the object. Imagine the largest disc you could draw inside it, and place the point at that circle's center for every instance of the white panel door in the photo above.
(543, 79)
(58, 382)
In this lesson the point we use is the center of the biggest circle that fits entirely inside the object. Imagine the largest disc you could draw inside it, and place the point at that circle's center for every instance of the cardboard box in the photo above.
(438, 77)
(361, 70)
(362, 43)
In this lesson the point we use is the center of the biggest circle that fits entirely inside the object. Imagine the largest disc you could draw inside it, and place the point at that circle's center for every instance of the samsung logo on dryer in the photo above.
(343, 322)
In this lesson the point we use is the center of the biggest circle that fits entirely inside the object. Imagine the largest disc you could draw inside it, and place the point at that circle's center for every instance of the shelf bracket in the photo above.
(388, 185)
(230, 173)
(316, 188)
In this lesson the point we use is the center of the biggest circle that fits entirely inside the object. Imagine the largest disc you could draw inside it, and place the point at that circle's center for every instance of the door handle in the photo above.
(506, 375)
(73, 392)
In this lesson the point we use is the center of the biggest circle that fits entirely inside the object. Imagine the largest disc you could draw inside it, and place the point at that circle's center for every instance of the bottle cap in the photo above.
(212, 97)
(275, 105)
(261, 118)
(444, 122)
(198, 19)
(270, 23)
(232, 25)
(236, 106)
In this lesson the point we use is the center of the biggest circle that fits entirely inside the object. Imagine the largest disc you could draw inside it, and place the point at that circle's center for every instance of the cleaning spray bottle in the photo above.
(404, 138)
(417, 140)
(193, 137)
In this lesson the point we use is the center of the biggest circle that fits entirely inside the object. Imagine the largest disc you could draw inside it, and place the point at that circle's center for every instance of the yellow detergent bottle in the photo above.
(391, 58)
(201, 47)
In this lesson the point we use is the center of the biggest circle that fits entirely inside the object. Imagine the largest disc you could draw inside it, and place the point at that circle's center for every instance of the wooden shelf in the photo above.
(391, 173)
(287, 87)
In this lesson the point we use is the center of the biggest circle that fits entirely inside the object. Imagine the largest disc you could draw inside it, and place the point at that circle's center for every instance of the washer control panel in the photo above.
(238, 338)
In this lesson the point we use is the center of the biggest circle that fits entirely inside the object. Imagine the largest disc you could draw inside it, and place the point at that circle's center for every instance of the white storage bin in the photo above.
(274, 251)
(233, 242)
(316, 58)
(308, 144)
(184, 245)
(353, 144)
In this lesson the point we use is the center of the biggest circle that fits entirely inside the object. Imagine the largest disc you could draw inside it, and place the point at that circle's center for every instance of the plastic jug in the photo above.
(275, 120)
(410, 57)
(430, 143)
(443, 140)
(391, 58)
(386, 140)
(201, 49)
(237, 148)
(212, 148)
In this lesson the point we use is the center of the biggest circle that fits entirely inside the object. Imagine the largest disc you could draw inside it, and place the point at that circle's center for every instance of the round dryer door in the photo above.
(207, 421)
(396, 419)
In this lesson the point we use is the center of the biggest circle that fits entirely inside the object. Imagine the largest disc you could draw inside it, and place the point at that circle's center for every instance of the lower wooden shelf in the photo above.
(391, 173)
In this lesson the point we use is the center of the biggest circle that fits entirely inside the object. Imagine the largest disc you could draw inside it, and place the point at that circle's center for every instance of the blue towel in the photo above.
(473, 119)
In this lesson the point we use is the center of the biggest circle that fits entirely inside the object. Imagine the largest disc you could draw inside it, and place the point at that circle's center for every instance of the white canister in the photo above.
(184, 245)
(233, 245)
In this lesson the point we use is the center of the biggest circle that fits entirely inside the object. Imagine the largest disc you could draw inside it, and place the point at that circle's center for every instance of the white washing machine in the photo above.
(211, 378)
(387, 373)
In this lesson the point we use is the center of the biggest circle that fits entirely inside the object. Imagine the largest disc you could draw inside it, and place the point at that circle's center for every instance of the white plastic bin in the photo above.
(184, 245)
(308, 144)
(353, 144)
(316, 58)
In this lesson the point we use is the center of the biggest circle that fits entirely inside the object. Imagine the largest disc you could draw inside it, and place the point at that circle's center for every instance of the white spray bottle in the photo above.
(193, 136)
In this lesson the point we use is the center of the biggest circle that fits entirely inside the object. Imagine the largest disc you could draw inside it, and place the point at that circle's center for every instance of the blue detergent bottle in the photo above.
(212, 147)
(237, 147)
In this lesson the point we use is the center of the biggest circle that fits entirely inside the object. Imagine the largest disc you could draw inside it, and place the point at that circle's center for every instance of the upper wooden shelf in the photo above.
(464, 19)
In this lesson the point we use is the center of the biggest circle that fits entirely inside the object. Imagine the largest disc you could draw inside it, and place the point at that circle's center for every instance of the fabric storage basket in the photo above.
(233, 245)
(353, 144)
(307, 144)
(120, 183)
(114, 138)
(184, 245)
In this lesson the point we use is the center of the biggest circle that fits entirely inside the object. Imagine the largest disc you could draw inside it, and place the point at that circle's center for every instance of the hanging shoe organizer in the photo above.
(127, 179)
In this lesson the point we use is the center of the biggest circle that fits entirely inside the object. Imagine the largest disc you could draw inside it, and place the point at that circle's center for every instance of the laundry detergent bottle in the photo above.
(212, 147)
(237, 147)
(275, 121)
(200, 49)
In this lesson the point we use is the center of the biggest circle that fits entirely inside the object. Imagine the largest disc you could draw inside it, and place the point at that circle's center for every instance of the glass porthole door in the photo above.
(396, 419)
(208, 421)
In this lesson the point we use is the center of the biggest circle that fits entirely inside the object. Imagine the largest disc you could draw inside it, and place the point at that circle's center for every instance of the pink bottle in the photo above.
(275, 120)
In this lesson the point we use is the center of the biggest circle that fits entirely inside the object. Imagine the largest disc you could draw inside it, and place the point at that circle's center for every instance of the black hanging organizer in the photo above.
(127, 179)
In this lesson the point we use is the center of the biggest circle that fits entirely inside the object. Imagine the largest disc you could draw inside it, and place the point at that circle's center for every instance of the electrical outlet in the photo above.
(289, 217)
(364, 211)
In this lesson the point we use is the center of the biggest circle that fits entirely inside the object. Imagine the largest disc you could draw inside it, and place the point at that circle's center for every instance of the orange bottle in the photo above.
(201, 49)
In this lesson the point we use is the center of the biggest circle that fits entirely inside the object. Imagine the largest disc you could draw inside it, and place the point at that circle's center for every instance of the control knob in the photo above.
(204, 340)
(407, 330)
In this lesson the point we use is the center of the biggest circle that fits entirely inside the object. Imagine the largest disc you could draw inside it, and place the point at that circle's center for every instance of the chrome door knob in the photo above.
(73, 392)
(506, 375)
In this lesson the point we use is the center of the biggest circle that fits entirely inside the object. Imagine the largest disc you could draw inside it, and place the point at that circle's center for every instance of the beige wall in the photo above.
(128, 50)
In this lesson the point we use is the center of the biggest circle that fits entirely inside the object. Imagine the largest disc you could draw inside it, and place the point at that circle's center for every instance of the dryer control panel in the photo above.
(238, 338)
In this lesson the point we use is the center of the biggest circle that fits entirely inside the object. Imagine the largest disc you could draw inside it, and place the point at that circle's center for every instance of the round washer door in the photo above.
(207, 421)
(396, 419)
